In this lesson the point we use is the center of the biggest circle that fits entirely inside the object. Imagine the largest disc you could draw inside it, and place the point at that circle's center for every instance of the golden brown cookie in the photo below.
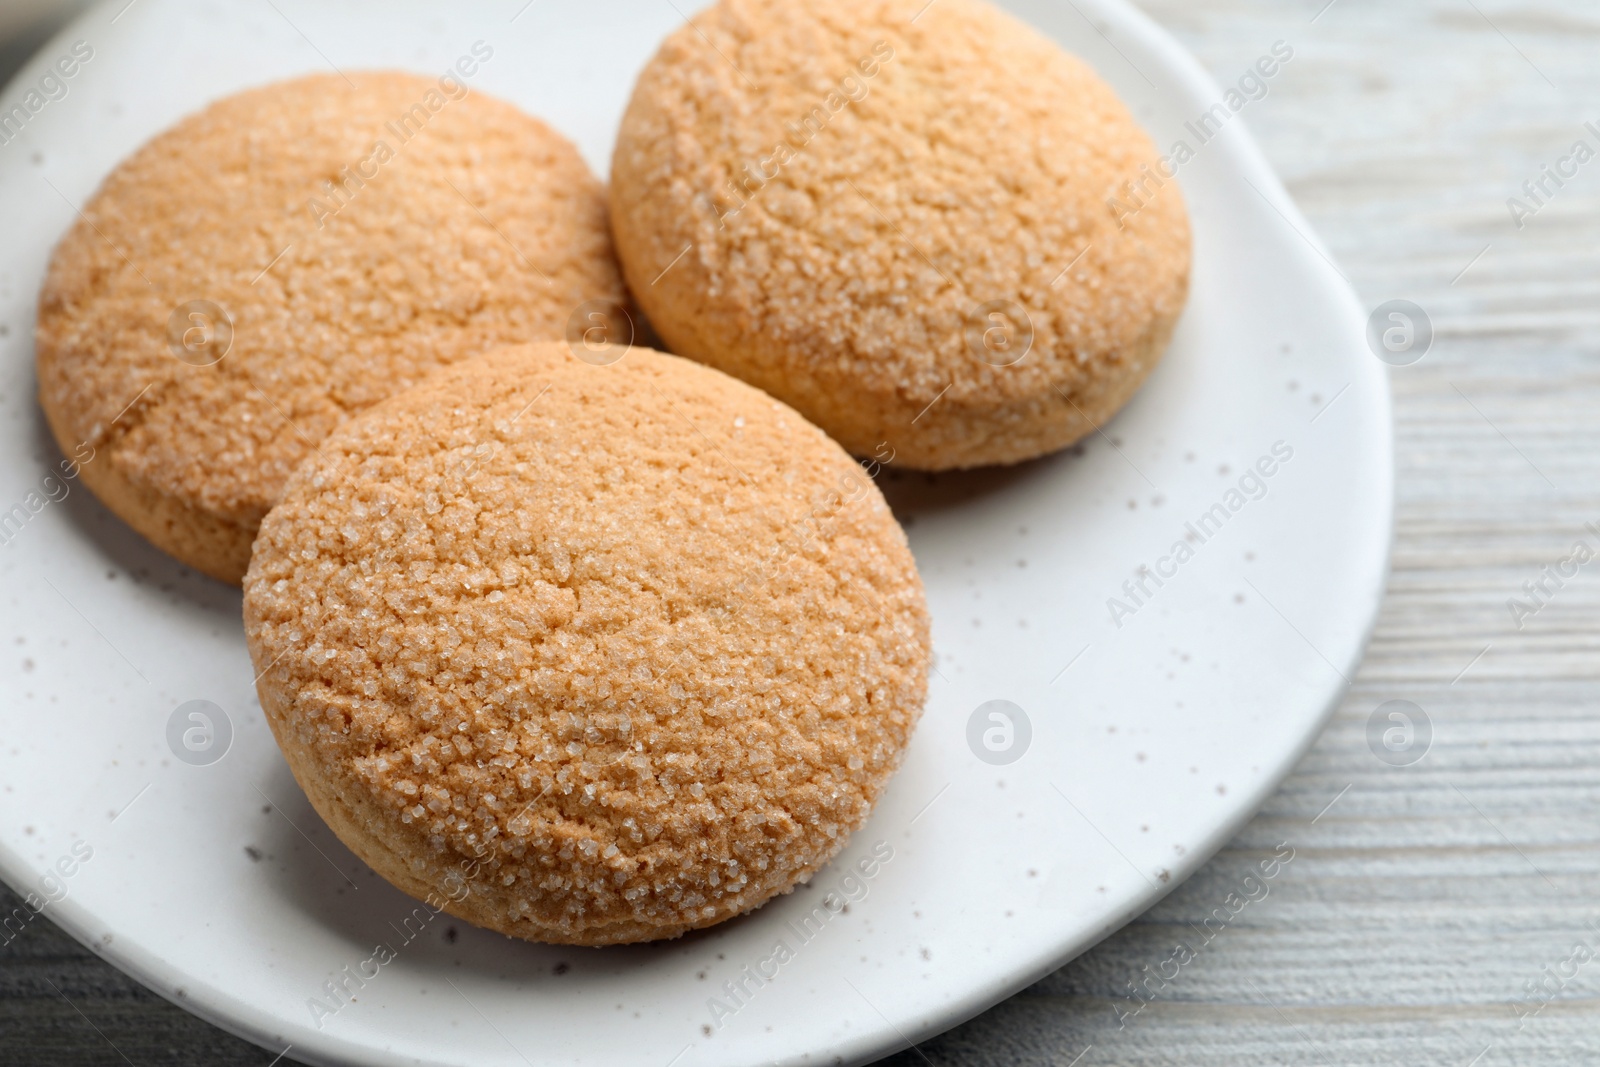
(909, 230)
(289, 256)
(588, 654)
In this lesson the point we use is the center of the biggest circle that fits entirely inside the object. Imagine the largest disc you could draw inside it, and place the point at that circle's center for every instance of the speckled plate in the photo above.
(1165, 616)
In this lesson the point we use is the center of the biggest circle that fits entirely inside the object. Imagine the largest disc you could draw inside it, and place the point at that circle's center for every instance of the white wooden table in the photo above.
(1423, 902)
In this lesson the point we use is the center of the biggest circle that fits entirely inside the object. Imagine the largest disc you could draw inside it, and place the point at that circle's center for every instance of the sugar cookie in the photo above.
(595, 654)
(288, 256)
(919, 224)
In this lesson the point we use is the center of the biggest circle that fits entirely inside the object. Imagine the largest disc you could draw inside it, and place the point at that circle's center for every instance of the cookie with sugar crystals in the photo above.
(587, 654)
(288, 256)
(923, 225)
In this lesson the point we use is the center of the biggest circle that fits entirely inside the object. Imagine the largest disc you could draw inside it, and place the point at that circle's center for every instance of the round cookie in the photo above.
(587, 654)
(945, 234)
(289, 256)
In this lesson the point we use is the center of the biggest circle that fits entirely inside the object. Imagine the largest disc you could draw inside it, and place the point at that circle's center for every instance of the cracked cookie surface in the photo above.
(453, 223)
(593, 654)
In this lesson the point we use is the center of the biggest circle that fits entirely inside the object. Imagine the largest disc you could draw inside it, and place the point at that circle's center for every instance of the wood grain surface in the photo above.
(1424, 904)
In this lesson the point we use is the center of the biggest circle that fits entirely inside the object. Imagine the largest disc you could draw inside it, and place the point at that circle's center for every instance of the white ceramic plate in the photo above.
(1151, 743)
